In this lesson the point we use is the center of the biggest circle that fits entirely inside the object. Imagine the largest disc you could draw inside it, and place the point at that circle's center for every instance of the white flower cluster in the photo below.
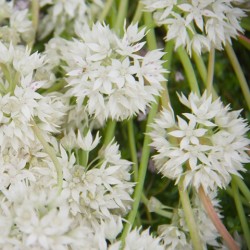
(205, 146)
(20, 103)
(15, 25)
(109, 76)
(197, 24)
(176, 235)
(61, 17)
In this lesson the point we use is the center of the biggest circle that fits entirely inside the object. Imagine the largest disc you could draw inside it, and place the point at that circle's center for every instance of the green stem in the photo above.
(35, 14)
(241, 213)
(138, 13)
(141, 174)
(164, 213)
(109, 132)
(186, 63)
(55, 87)
(151, 39)
(122, 12)
(231, 244)
(83, 157)
(189, 217)
(239, 73)
(210, 74)
(203, 71)
(132, 146)
(242, 186)
(35, 20)
(106, 10)
(200, 66)
(243, 199)
(52, 154)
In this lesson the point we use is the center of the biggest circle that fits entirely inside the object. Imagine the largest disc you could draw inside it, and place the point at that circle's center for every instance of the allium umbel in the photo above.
(205, 146)
(197, 24)
(109, 75)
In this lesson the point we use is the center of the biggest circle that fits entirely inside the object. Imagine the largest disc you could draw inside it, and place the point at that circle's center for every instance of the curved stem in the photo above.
(210, 75)
(186, 63)
(121, 16)
(35, 19)
(231, 244)
(132, 146)
(242, 186)
(109, 132)
(106, 10)
(239, 73)
(141, 174)
(203, 71)
(138, 13)
(189, 217)
(200, 66)
(35, 14)
(52, 154)
(241, 213)
(243, 199)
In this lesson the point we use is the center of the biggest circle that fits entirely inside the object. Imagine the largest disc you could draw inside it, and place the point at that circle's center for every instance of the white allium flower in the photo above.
(137, 239)
(97, 192)
(87, 143)
(176, 235)
(197, 24)
(108, 75)
(64, 16)
(173, 238)
(206, 146)
(15, 24)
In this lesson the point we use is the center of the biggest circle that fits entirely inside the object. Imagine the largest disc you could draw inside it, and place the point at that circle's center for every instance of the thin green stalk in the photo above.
(239, 73)
(242, 186)
(210, 74)
(243, 199)
(189, 217)
(231, 244)
(164, 213)
(122, 12)
(132, 146)
(35, 14)
(200, 66)
(186, 63)
(241, 213)
(109, 132)
(141, 174)
(106, 10)
(83, 157)
(55, 87)
(138, 13)
(151, 39)
(52, 154)
(35, 8)
(203, 71)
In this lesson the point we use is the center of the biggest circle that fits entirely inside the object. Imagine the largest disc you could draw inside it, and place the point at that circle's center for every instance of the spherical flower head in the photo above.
(108, 75)
(205, 146)
(197, 25)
